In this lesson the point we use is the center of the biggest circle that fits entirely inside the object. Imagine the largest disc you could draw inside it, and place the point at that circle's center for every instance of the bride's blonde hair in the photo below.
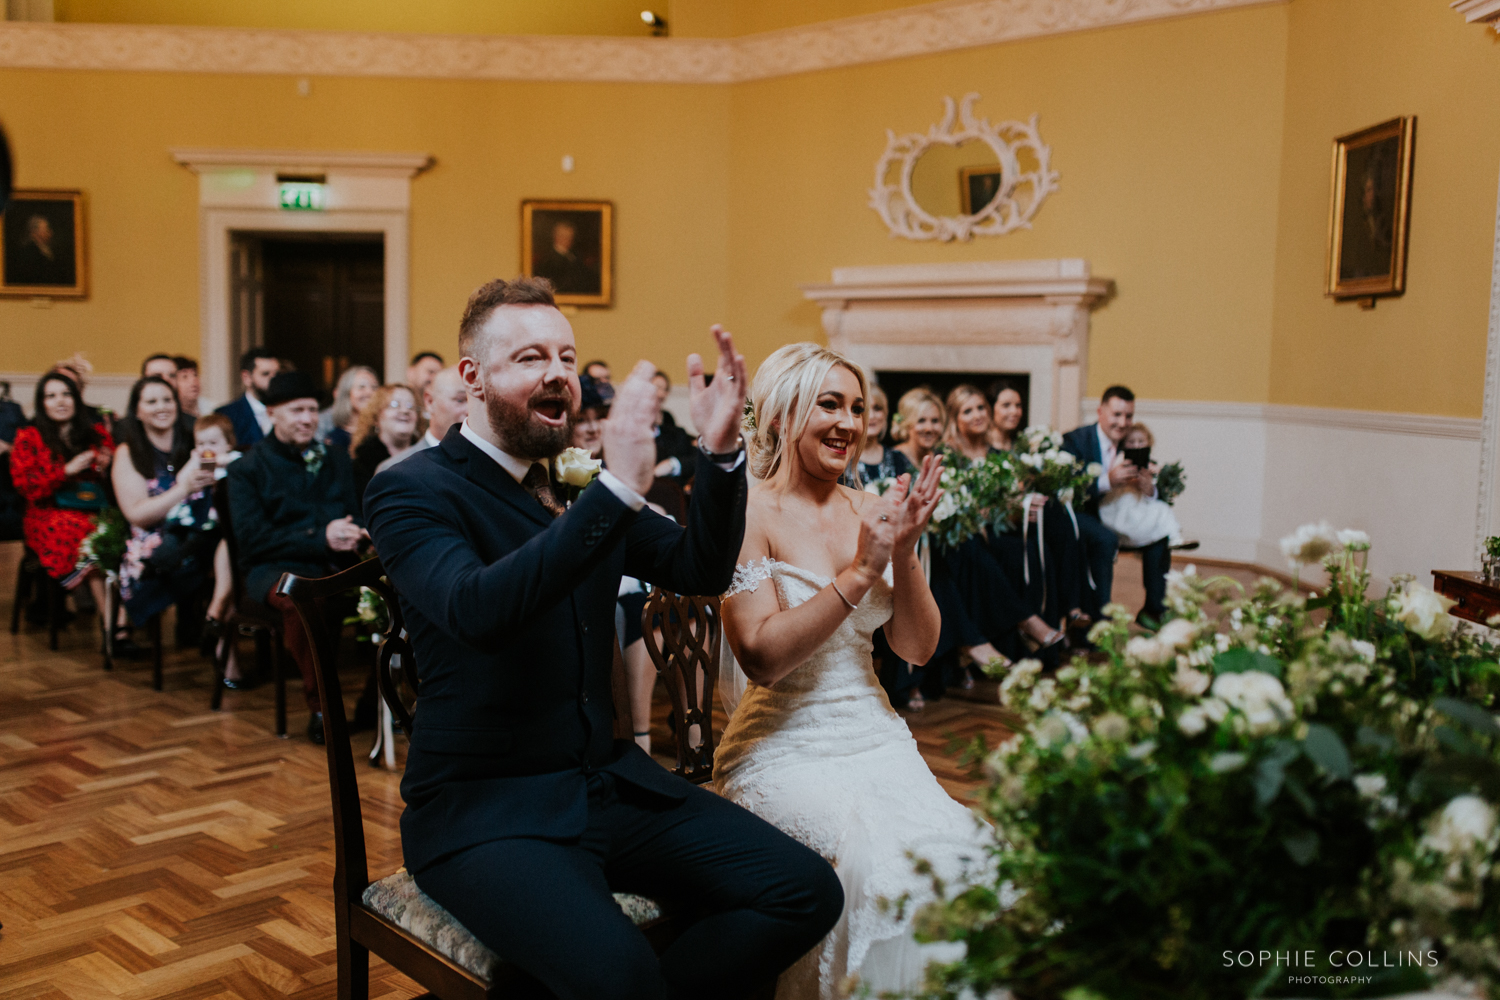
(782, 398)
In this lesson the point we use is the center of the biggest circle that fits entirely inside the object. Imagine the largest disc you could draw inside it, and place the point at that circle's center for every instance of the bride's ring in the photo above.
(731, 378)
(884, 517)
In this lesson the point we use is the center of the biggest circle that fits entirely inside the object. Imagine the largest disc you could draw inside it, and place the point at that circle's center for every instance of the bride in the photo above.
(813, 745)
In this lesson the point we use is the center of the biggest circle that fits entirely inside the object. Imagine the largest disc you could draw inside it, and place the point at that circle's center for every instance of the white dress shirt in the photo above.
(262, 415)
(518, 468)
(1107, 452)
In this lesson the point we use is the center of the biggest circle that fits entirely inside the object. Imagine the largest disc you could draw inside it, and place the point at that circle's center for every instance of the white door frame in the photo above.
(238, 191)
(1487, 521)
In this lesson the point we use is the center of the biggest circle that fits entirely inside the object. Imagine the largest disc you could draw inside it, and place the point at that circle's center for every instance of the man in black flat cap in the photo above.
(292, 507)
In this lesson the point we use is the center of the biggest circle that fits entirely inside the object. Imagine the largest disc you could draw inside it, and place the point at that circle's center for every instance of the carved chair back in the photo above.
(686, 655)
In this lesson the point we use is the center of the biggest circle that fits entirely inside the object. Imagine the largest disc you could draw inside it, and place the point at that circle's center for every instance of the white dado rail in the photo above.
(1028, 316)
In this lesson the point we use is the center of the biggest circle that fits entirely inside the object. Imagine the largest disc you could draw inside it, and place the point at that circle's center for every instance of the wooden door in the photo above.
(325, 305)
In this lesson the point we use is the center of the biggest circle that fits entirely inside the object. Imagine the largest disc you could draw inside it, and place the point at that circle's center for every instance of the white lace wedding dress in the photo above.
(824, 757)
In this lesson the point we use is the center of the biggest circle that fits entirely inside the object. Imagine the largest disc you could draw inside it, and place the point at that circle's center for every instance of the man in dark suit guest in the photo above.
(252, 422)
(523, 813)
(674, 446)
(292, 505)
(1100, 442)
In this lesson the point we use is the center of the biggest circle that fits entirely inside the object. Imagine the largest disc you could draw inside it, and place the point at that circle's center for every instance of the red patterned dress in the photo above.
(53, 532)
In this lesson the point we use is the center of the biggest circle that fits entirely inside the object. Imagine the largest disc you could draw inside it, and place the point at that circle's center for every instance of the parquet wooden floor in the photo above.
(151, 849)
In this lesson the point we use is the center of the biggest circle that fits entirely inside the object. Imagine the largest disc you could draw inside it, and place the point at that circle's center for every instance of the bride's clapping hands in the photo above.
(911, 503)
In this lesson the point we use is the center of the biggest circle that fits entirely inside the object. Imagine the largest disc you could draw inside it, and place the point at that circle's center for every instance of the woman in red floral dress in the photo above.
(61, 451)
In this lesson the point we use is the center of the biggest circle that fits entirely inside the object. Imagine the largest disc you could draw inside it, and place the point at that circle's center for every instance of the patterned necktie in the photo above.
(539, 485)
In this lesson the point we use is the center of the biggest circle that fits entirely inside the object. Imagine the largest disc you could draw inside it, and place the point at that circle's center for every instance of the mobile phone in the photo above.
(1139, 457)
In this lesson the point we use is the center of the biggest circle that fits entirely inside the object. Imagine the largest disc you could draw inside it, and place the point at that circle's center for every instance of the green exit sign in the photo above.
(302, 196)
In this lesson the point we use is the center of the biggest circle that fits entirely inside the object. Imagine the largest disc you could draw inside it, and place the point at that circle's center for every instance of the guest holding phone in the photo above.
(162, 488)
(58, 466)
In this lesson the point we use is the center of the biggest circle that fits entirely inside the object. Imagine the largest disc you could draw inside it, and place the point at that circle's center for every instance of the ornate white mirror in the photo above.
(965, 177)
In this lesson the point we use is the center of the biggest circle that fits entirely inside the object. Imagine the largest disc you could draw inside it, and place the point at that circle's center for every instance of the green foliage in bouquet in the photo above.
(1170, 482)
(1266, 774)
(105, 545)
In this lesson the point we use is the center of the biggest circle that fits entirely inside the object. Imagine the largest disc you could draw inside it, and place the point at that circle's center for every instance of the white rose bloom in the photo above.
(1192, 721)
(1141, 750)
(1095, 470)
(1042, 694)
(1259, 696)
(576, 467)
(1148, 650)
(1366, 650)
(1177, 634)
(1465, 822)
(1425, 612)
(1112, 726)
(1370, 785)
(1189, 681)
(1351, 538)
(1222, 763)
(1309, 543)
(946, 507)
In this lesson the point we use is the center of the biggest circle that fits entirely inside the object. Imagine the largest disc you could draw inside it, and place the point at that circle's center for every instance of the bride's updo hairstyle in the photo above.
(783, 396)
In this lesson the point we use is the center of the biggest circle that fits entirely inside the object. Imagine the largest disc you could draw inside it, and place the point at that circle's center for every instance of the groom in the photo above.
(523, 815)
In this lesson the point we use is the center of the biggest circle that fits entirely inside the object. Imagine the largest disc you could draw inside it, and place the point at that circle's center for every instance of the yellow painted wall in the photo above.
(1351, 64)
(658, 152)
(499, 17)
(1167, 137)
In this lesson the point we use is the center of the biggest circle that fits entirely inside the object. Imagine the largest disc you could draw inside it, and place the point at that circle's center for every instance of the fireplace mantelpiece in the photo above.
(1003, 316)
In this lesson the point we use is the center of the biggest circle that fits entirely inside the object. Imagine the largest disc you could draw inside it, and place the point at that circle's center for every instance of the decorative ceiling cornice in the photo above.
(1485, 11)
(931, 28)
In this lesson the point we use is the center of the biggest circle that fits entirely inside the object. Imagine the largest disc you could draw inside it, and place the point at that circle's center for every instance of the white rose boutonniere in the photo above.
(576, 467)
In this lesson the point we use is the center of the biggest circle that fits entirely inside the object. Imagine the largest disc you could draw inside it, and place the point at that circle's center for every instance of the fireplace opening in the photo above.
(896, 383)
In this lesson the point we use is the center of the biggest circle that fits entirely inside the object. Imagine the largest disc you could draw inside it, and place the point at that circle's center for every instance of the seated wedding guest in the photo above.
(388, 425)
(424, 365)
(292, 504)
(1101, 442)
(337, 423)
(58, 465)
(12, 507)
(1007, 411)
(876, 462)
(968, 431)
(162, 488)
(162, 366)
(599, 372)
(213, 438)
(251, 421)
(79, 368)
(1138, 517)
(981, 606)
(189, 387)
(588, 425)
(1057, 580)
(674, 446)
(445, 401)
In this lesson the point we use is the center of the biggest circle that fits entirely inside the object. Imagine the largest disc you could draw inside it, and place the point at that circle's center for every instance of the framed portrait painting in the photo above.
(43, 245)
(1370, 210)
(572, 245)
(977, 187)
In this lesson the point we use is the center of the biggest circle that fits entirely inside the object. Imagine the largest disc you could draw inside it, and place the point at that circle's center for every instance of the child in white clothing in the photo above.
(1137, 518)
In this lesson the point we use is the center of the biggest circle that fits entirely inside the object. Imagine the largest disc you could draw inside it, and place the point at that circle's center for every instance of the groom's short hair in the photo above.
(491, 296)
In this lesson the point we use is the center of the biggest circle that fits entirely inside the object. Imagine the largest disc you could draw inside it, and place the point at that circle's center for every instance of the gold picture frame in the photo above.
(977, 187)
(44, 245)
(1370, 210)
(572, 244)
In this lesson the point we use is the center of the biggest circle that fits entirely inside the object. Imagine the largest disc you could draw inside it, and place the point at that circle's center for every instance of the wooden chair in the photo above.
(393, 917)
(108, 616)
(248, 617)
(32, 580)
(687, 660)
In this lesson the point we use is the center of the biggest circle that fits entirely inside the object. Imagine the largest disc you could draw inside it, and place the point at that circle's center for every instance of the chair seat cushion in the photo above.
(396, 898)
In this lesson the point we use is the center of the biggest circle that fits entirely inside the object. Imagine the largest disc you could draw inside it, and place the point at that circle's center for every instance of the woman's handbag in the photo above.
(81, 496)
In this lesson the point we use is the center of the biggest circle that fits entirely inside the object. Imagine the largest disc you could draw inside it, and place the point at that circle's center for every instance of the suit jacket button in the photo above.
(585, 698)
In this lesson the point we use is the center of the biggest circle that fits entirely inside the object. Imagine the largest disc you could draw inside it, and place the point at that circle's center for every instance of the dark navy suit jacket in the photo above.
(1084, 442)
(511, 616)
(247, 431)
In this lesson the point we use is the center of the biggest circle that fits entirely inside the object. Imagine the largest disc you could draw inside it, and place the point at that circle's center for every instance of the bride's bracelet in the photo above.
(835, 585)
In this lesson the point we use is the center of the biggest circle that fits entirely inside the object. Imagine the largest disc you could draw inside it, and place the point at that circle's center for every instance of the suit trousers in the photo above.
(1156, 560)
(1100, 546)
(750, 900)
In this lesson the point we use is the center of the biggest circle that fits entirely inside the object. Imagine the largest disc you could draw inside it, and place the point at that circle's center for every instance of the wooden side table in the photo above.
(1477, 600)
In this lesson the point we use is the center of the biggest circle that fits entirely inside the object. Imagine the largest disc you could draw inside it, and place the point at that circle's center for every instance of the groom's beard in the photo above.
(519, 435)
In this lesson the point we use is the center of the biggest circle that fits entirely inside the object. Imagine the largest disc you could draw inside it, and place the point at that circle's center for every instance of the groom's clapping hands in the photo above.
(718, 408)
(629, 438)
